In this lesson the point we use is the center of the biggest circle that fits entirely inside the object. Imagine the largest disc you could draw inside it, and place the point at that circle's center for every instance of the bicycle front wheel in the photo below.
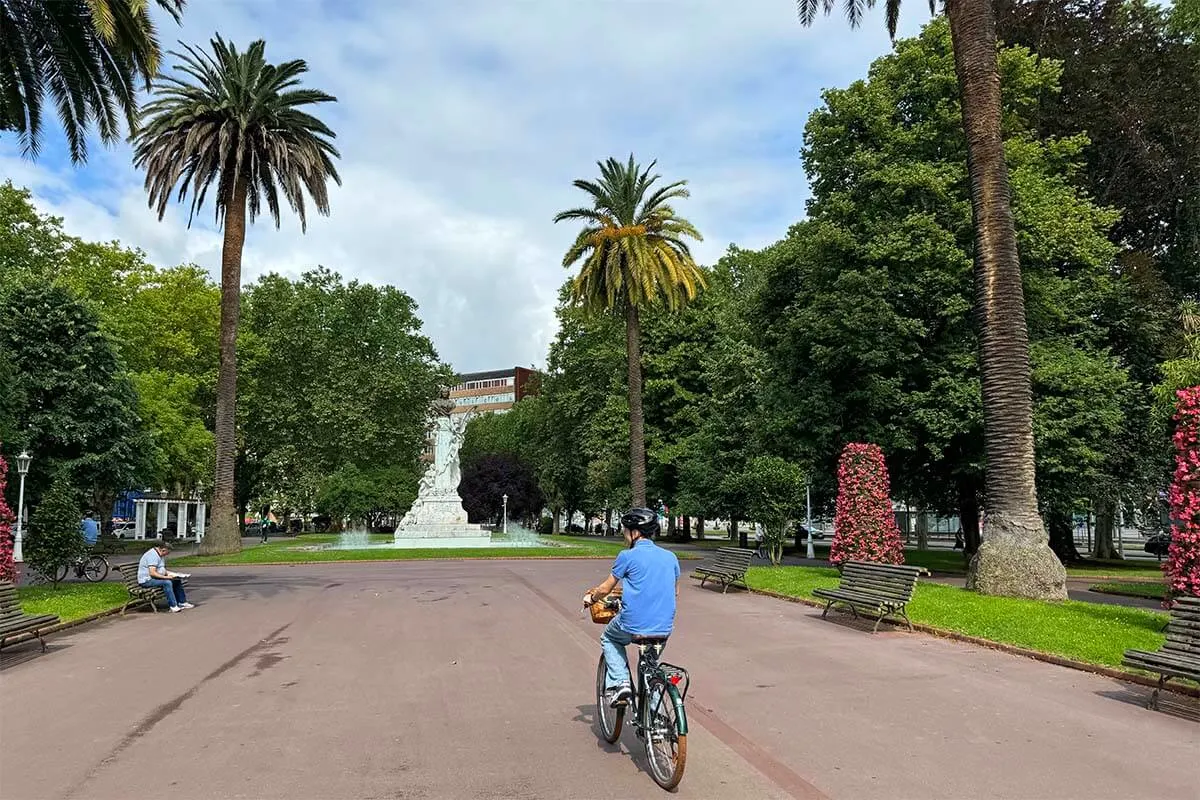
(665, 734)
(96, 569)
(608, 718)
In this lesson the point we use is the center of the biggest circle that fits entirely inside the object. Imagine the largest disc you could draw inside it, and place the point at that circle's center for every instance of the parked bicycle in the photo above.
(658, 714)
(93, 567)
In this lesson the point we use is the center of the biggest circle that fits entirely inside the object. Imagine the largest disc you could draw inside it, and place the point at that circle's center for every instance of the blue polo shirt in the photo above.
(648, 574)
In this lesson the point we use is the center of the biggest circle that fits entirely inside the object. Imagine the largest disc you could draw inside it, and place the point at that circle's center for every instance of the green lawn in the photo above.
(1152, 591)
(1090, 632)
(287, 551)
(71, 601)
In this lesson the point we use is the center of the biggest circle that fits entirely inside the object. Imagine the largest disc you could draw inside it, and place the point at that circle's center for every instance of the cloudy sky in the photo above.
(462, 123)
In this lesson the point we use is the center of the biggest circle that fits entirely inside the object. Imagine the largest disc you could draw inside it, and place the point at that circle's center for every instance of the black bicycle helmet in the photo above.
(643, 520)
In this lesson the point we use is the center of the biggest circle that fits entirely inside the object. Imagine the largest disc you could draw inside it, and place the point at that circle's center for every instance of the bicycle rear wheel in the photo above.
(60, 574)
(665, 734)
(96, 569)
(608, 718)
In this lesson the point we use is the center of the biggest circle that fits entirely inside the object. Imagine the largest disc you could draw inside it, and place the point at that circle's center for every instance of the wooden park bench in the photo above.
(137, 592)
(1179, 656)
(16, 623)
(883, 589)
(728, 566)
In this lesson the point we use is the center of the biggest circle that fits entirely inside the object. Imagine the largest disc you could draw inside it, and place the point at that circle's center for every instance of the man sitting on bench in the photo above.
(152, 571)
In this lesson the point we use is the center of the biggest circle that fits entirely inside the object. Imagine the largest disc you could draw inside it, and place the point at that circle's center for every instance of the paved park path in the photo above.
(462, 679)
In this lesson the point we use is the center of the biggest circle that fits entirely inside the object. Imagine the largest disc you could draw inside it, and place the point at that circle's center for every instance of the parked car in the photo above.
(1158, 544)
(124, 530)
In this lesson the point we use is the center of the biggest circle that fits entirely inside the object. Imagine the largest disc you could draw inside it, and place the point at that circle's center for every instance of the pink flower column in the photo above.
(8, 570)
(865, 526)
(1182, 567)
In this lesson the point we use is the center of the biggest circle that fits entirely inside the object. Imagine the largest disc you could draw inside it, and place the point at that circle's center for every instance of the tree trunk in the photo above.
(1015, 558)
(224, 535)
(1062, 536)
(671, 526)
(922, 530)
(700, 527)
(608, 522)
(637, 422)
(557, 514)
(686, 533)
(968, 517)
(733, 532)
(1105, 525)
(743, 537)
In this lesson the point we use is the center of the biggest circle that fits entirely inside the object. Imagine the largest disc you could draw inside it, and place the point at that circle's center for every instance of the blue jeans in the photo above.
(613, 642)
(173, 589)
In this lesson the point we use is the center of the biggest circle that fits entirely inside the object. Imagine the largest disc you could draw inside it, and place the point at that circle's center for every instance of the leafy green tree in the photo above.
(1131, 81)
(367, 497)
(772, 490)
(55, 537)
(730, 429)
(634, 256)
(88, 56)
(238, 122)
(75, 408)
(864, 308)
(162, 323)
(335, 374)
(1016, 559)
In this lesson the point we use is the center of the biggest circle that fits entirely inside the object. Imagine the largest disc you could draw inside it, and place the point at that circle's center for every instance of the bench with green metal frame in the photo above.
(882, 589)
(16, 623)
(728, 566)
(137, 592)
(1179, 656)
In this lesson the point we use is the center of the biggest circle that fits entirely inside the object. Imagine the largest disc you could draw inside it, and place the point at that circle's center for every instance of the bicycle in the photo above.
(658, 713)
(93, 567)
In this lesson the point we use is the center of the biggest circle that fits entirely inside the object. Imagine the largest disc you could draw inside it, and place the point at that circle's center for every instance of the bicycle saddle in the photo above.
(649, 639)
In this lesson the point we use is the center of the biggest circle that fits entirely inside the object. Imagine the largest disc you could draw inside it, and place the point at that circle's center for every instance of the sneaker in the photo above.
(186, 605)
(621, 695)
(174, 609)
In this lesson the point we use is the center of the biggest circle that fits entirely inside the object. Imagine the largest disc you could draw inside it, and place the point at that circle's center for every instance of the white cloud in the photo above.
(462, 125)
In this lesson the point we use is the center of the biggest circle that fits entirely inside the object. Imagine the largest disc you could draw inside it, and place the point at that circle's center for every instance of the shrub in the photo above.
(1182, 567)
(54, 534)
(864, 525)
(8, 570)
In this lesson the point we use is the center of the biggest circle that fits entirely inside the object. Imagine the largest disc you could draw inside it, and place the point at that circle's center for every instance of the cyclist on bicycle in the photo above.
(649, 575)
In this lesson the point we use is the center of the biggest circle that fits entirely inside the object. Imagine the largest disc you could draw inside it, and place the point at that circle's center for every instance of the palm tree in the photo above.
(236, 121)
(90, 56)
(1014, 557)
(633, 256)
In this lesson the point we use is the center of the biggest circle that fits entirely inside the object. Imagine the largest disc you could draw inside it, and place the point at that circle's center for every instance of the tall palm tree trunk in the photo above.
(637, 421)
(225, 533)
(1014, 557)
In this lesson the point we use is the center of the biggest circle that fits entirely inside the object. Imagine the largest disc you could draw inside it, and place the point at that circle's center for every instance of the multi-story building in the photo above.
(495, 390)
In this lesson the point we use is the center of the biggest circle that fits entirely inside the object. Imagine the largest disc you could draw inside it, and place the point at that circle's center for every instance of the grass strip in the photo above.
(1151, 591)
(1088, 632)
(72, 601)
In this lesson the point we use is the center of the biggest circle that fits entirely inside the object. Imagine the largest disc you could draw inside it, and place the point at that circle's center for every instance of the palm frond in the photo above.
(229, 118)
(807, 11)
(632, 246)
(84, 57)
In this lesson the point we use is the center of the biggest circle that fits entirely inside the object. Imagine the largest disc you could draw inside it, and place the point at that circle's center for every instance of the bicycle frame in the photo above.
(648, 665)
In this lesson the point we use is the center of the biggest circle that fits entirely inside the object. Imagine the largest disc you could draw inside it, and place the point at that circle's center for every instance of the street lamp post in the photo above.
(23, 461)
(808, 519)
(505, 523)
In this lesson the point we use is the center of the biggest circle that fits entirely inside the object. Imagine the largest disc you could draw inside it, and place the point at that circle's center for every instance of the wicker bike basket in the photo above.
(604, 609)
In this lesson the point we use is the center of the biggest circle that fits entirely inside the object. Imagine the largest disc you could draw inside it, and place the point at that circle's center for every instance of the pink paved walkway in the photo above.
(474, 679)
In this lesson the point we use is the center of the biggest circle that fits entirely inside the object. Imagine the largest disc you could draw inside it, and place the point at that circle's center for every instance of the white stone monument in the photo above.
(437, 517)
